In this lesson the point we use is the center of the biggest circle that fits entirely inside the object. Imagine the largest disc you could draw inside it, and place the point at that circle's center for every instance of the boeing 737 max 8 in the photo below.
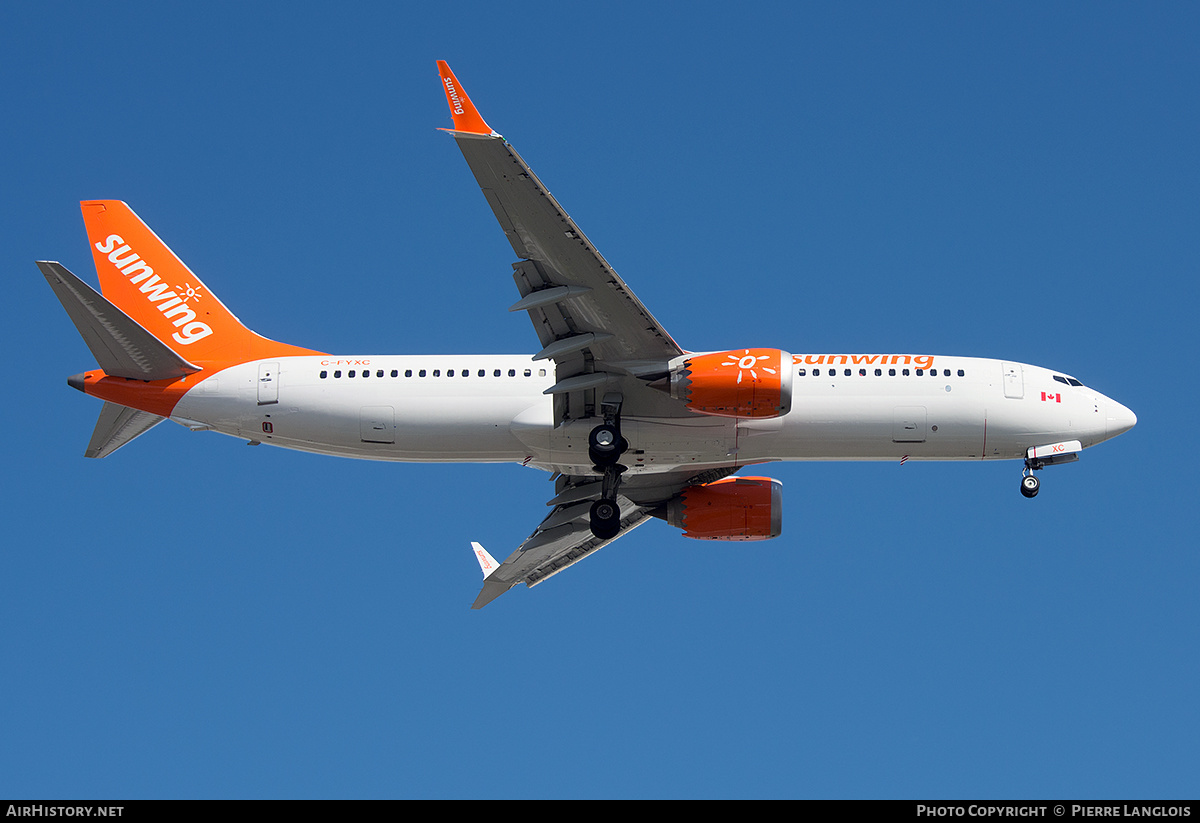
(631, 425)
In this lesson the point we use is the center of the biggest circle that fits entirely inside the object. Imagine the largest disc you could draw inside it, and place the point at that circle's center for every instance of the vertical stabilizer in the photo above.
(142, 276)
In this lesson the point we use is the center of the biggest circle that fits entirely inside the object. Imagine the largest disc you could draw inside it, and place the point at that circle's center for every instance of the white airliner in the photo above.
(631, 424)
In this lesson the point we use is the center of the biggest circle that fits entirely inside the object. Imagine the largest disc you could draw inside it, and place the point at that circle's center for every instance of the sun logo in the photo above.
(748, 363)
(189, 291)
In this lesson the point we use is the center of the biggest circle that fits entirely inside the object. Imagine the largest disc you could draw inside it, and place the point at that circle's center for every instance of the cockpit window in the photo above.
(1070, 381)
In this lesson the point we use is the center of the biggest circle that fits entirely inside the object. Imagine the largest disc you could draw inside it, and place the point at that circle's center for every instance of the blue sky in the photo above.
(194, 618)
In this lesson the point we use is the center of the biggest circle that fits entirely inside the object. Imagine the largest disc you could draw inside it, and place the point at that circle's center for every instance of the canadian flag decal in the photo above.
(1057, 398)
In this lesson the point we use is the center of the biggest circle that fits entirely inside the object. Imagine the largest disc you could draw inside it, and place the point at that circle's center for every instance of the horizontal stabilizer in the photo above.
(117, 426)
(121, 346)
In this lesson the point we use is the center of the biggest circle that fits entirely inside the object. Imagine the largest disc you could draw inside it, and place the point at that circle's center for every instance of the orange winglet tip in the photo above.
(466, 117)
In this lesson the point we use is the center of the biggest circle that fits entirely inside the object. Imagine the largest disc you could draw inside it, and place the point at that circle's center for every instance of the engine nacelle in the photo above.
(737, 383)
(736, 508)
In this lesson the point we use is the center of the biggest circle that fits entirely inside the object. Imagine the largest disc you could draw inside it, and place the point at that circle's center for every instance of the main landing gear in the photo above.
(605, 447)
(605, 518)
(1030, 485)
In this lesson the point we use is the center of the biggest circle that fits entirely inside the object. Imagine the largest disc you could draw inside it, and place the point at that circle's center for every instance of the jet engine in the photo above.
(737, 383)
(736, 508)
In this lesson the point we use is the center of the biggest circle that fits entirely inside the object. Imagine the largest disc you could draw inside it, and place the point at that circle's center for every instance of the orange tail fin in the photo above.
(144, 278)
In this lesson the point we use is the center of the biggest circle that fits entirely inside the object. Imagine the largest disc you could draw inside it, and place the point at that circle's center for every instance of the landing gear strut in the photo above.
(605, 447)
(1030, 485)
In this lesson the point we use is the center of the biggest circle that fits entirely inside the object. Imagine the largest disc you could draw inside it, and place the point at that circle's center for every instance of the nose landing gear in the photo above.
(1030, 485)
(1039, 457)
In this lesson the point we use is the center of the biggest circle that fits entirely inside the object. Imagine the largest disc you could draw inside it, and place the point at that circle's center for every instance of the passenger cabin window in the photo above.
(324, 374)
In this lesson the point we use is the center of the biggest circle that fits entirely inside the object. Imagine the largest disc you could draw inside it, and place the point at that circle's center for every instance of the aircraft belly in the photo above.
(655, 444)
(669, 443)
(931, 426)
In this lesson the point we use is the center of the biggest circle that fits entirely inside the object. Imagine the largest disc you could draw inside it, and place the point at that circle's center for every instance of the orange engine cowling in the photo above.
(736, 508)
(737, 383)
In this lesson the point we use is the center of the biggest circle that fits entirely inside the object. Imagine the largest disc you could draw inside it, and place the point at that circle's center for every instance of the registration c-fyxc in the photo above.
(632, 425)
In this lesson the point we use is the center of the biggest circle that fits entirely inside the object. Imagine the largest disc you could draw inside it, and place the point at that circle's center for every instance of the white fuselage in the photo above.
(492, 408)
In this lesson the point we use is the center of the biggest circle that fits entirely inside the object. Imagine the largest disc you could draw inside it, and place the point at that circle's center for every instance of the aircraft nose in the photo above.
(1120, 419)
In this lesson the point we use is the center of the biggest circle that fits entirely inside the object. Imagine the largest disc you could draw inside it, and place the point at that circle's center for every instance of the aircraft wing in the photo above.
(589, 322)
(565, 537)
(561, 540)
